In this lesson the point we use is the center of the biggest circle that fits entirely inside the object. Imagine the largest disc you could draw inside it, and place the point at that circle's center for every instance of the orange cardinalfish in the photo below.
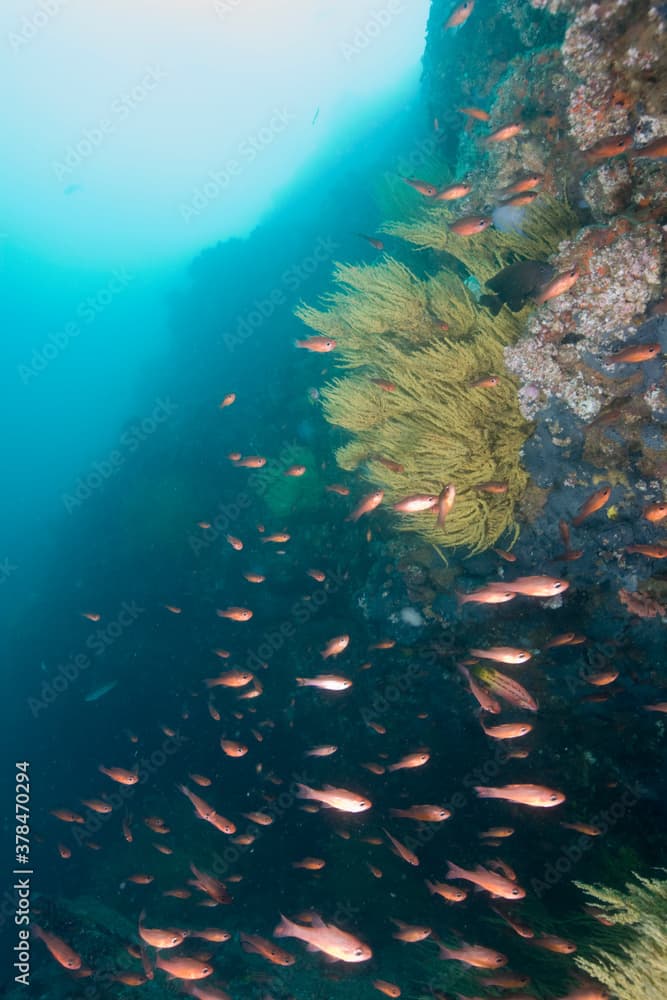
(518, 200)
(428, 190)
(257, 945)
(586, 828)
(655, 512)
(492, 882)
(532, 586)
(655, 149)
(67, 816)
(445, 503)
(558, 945)
(320, 345)
(278, 537)
(228, 400)
(295, 470)
(635, 354)
(213, 934)
(475, 955)
(565, 639)
(335, 646)
(504, 133)
(254, 577)
(425, 814)
(506, 981)
(486, 382)
(366, 505)
(206, 812)
(120, 775)
(230, 678)
(210, 885)
(325, 750)
(410, 933)
(158, 938)
(468, 225)
(605, 149)
(528, 183)
(400, 850)
(375, 243)
(384, 385)
(310, 864)
(262, 819)
(250, 462)
(502, 654)
(415, 504)
(460, 14)
(235, 614)
(342, 491)
(594, 503)
(557, 286)
(453, 192)
(657, 551)
(485, 595)
(505, 555)
(477, 113)
(92, 616)
(389, 989)
(493, 486)
(235, 543)
(388, 463)
(334, 798)
(523, 930)
(411, 760)
(327, 938)
(317, 574)
(232, 748)
(184, 968)
(507, 730)
(450, 893)
(525, 795)
(62, 952)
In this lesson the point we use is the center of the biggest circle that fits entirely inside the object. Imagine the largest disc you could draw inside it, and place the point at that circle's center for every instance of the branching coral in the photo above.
(635, 966)
(437, 428)
(545, 224)
(417, 347)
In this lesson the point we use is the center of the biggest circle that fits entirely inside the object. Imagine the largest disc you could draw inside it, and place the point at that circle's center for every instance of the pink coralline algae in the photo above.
(566, 339)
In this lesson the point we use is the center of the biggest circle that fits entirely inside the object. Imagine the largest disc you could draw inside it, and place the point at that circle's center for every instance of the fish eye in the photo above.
(358, 951)
(553, 798)
(499, 959)
(515, 892)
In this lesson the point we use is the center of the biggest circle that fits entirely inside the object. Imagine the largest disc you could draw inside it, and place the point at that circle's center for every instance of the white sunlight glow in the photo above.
(155, 127)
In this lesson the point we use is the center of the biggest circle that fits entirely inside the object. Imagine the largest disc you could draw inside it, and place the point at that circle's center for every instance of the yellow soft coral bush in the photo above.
(633, 967)
(428, 340)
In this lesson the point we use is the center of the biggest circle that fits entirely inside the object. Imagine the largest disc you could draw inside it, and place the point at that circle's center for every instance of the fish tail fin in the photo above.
(454, 871)
(301, 681)
(485, 792)
(430, 886)
(285, 928)
(303, 791)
